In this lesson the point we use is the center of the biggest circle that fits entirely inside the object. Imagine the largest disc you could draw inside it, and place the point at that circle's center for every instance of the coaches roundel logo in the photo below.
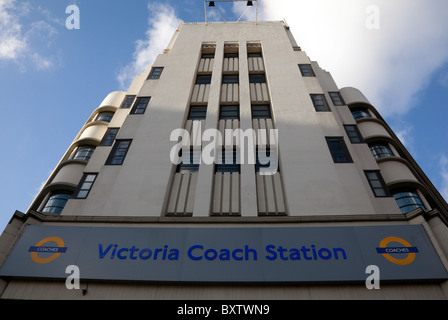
(47, 250)
(400, 255)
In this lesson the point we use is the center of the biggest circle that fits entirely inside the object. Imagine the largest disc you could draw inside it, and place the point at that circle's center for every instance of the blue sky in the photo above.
(52, 78)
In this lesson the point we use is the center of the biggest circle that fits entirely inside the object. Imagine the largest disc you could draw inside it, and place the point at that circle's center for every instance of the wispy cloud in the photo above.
(12, 42)
(392, 64)
(161, 25)
(22, 44)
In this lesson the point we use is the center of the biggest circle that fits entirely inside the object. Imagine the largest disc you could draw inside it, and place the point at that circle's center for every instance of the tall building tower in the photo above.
(233, 167)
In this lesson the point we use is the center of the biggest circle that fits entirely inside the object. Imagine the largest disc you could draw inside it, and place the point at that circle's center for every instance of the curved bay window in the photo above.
(57, 201)
(84, 153)
(105, 116)
(359, 113)
(408, 200)
(380, 150)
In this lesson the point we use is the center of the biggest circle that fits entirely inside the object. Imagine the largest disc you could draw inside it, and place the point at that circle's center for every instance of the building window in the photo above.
(203, 79)
(377, 183)
(118, 152)
(380, 150)
(408, 200)
(337, 98)
(230, 79)
(254, 55)
(197, 113)
(85, 185)
(319, 102)
(127, 102)
(306, 70)
(190, 161)
(84, 153)
(57, 201)
(140, 105)
(208, 56)
(229, 112)
(353, 134)
(257, 78)
(226, 165)
(109, 137)
(338, 150)
(261, 112)
(155, 73)
(359, 113)
(105, 116)
(230, 55)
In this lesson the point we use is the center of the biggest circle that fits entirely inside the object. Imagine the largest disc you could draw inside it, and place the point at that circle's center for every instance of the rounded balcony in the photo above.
(396, 170)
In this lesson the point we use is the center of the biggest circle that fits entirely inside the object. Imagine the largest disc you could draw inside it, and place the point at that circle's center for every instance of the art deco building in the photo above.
(234, 167)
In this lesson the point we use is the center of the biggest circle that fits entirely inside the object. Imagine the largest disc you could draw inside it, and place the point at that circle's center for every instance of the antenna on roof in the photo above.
(249, 4)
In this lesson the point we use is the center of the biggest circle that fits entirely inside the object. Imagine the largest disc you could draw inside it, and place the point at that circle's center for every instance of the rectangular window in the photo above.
(229, 112)
(306, 70)
(257, 78)
(337, 98)
(319, 102)
(155, 73)
(261, 112)
(228, 162)
(127, 102)
(118, 152)
(338, 150)
(197, 113)
(85, 185)
(109, 137)
(377, 183)
(353, 134)
(140, 105)
(230, 79)
(203, 79)
(190, 160)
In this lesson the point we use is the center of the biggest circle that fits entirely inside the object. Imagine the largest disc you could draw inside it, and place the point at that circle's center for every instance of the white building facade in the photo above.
(234, 167)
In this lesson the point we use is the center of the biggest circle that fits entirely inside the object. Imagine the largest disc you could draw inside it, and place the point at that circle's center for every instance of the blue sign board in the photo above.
(275, 254)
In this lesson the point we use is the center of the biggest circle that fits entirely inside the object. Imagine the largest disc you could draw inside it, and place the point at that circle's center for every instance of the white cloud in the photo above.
(443, 162)
(161, 26)
(19, 45)
(12, 42)
(390, 65)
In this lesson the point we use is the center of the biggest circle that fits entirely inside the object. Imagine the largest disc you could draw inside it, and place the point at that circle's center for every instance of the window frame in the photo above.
(87, 154)
(125, 104)
(115, 149)
(377, 150)
(336, 98)
(155, 73)
(412, 194)
(377, 184)
(306, 70)
(197, 113)
(137, 108)
(59, 208)
(325, 107)
(81, 187)
(357, 137)
(342, 149)
(259, 113)
(109, 136)
(226, 77)
(229, 114)
(362, 113)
